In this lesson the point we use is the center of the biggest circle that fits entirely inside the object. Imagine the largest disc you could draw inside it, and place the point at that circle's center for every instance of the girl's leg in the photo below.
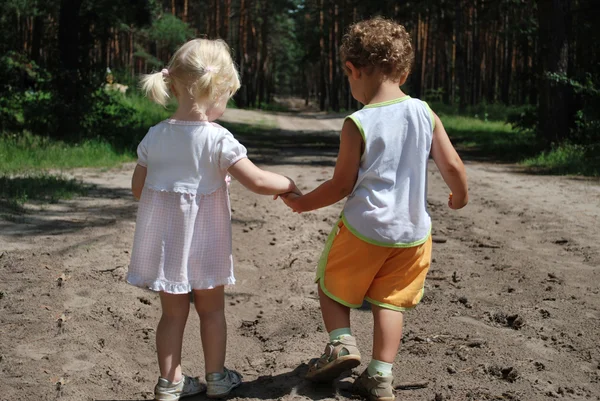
(210, 305)
(387, 334)
(169, 334)
(335, 315)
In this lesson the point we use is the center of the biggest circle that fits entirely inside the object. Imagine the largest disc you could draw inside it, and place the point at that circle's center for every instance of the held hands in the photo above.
(290, 200)
(289, 197)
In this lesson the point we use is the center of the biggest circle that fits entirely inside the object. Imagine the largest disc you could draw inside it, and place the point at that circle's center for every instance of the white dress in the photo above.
(183, 228)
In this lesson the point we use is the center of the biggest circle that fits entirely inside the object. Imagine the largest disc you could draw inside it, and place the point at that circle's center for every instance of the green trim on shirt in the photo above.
(359, 126)
(373, 105)
(379, 243)
(430, 115)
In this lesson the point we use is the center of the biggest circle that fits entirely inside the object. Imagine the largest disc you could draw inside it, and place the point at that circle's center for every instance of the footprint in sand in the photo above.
(76, 362)
(33, 351)
(77, 301)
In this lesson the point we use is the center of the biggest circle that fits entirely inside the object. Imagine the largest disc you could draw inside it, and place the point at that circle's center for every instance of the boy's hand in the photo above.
(455, 203)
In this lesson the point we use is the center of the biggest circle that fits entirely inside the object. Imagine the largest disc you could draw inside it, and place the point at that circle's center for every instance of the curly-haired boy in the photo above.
(380, 250)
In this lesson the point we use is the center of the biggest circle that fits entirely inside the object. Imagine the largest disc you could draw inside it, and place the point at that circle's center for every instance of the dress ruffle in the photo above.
(178, 288)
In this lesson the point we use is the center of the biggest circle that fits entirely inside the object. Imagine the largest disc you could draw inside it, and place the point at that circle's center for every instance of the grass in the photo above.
(488, 140)
(482, 111)
(566, 159)
(25, 153)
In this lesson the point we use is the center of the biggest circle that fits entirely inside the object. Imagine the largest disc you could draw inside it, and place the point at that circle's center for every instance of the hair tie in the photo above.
(165, 72)
(209, 68)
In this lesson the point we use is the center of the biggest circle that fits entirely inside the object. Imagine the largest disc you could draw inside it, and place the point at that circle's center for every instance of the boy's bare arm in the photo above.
(344, 175)
(138, 180)
(450, 165)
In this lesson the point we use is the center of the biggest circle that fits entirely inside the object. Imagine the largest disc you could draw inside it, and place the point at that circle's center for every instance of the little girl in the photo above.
(182, 239)
(380, 250)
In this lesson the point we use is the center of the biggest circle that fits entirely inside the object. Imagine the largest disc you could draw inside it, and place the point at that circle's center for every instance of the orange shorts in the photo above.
(352, 270)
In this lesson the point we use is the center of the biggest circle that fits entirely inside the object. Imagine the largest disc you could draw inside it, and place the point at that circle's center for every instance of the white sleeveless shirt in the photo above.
(388, 205)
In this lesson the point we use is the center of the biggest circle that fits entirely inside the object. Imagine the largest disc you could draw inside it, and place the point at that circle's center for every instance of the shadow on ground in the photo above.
(51, 217)
(290, 383)
(273, 146)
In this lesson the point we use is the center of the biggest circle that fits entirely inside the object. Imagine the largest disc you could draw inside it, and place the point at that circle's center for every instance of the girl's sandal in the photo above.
(339, 356)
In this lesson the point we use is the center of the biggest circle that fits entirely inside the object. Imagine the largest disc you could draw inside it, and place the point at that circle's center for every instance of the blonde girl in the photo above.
(182, 240)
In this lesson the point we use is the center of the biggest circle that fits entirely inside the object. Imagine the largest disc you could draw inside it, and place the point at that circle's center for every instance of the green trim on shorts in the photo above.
(323, 264)
(394, 307)
(384, 244)
(401, 99)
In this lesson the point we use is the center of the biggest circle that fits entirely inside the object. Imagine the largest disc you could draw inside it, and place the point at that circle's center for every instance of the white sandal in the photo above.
(166, 390)
(219, 385)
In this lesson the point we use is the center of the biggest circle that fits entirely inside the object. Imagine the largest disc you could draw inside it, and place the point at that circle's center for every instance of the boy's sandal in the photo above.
(339, 356)
(374, 388)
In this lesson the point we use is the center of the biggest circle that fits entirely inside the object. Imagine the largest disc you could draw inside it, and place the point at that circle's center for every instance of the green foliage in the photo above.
(587, 87)
(483, 111)
(140, 52)
(567, 158)
(24, 152)
(491, 140)
(524, 120)
(121, 120)
(169, 32)
(20, 83)
(273, 107)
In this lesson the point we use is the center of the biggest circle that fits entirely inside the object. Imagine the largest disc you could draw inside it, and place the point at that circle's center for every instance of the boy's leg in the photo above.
(341, 353)
(376, 381)
(210, 305)
(387, 333)
(335, 315)
(169, 334)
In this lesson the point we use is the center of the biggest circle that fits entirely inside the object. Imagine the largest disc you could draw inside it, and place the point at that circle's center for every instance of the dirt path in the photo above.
(511, 311)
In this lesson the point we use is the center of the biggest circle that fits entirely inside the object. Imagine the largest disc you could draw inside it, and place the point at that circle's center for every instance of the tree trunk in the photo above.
(226, 17)
(333, 67)
(507, 63)
(264, 58)
(553, 52)
(461, 75)
(36, 40)
(68, 78)
(323, 65)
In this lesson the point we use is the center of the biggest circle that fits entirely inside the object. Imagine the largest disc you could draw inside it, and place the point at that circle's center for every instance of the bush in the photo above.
(567, 158)
(20, 80)
(524, 120)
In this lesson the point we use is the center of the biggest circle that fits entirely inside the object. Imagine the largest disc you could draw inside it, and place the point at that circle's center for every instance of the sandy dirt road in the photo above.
(511, 309)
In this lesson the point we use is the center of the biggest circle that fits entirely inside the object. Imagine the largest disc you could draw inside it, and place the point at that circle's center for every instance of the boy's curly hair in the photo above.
(378, 42)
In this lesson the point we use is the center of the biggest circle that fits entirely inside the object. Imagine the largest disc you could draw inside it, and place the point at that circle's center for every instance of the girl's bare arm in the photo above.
(138, 180)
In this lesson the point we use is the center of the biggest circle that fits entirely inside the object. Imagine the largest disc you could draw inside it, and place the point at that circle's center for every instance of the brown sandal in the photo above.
(339, 356)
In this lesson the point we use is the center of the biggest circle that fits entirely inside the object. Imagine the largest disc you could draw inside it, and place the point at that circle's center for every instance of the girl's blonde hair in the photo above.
(202, 66)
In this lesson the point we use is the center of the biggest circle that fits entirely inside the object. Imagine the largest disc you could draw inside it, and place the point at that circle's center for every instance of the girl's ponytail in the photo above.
(155, 87)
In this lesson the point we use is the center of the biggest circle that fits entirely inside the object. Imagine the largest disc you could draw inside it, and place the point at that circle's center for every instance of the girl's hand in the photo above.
(295, 190)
